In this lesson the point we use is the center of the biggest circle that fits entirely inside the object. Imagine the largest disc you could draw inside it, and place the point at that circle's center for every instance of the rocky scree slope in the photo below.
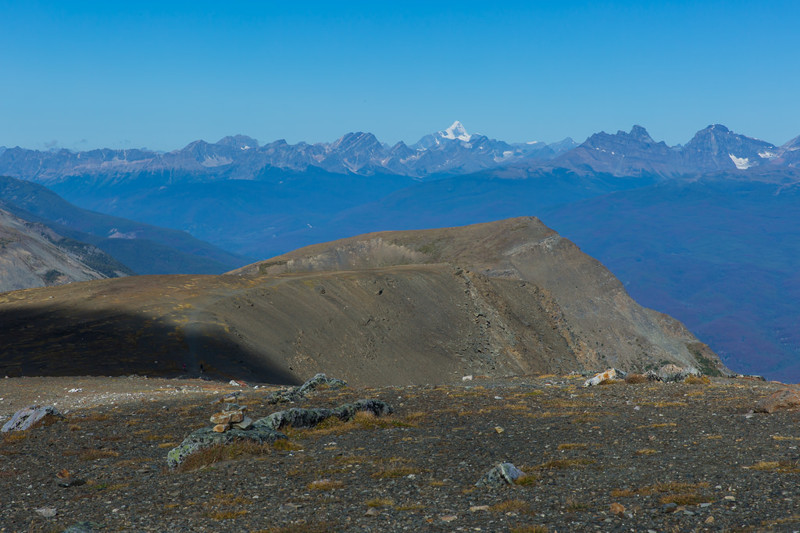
(33, 255)
(641, 456)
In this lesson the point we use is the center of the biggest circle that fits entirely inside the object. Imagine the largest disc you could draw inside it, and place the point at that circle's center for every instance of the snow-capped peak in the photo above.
(456, 131)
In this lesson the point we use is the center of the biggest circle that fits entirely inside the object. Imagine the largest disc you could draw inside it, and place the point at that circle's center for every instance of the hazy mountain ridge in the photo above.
(449, 152)
(241, 157)
(711, 150)
(142, 248)
(33, 255)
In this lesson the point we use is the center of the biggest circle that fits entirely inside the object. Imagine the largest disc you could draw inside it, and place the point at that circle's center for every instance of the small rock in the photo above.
(288, 507)
(782, 399)
(221, 418)
(47, 512)
(244, 424)
(672, 372)
(372, 512)
(66, 479)
(499, 476)
(611, 373)
(448, 518)
(30, 417)
(83, 527)
(498, 429)
(221, 428)
(467, 378)
(476, 508)
(669, 507)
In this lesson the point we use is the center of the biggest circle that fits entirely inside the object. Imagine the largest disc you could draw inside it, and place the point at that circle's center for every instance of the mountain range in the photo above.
(451, 151)
(705, 231)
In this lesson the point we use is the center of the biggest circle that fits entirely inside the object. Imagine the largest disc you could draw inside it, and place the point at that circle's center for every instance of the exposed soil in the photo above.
(640, 446)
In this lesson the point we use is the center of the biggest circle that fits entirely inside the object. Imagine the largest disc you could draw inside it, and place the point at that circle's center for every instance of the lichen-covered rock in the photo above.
(672, 373)
(265, 430)
(207, 437)
(500, 476)
(783, 399)
(297, 393)
(244, 424)
(300, 418)
(611, 373)
(652, 376)
(29, 417)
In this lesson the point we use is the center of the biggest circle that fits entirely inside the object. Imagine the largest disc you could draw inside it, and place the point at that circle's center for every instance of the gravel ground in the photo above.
(621, 457)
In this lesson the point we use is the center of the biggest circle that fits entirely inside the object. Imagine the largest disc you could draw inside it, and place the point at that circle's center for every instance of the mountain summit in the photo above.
(456, 131)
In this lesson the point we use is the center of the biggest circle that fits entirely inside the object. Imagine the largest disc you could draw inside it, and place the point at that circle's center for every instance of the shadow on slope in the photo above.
(56, 340)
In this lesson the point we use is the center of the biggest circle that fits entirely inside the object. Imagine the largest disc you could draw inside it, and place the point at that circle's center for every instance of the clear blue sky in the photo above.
(86, 74)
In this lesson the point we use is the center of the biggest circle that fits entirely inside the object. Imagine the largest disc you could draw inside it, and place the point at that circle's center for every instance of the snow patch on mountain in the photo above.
(216, 161)
(456, 131)
(742, 163)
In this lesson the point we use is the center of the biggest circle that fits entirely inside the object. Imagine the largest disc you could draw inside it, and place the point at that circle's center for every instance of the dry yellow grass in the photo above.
(286, 445)
(223, 452)
(673, 492)
(516, 506)
(92, 455)
(15, 436)
(782, 467)
(559, 464)
(573, 446)
(573, 505)
(391, 471)
(646, 451)
(325, 484)
(697, 380)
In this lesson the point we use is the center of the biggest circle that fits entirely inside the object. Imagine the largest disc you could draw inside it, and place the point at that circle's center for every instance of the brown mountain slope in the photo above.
(32, 255)
(509, 297)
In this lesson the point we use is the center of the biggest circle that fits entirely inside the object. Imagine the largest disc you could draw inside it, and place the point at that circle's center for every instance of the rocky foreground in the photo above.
(621, 456)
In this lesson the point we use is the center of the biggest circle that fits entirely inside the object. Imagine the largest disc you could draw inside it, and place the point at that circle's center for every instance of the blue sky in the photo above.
(85, 74)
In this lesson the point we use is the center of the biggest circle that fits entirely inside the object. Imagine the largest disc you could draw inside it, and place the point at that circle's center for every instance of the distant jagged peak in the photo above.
(353, 139)
(241, 142)
(639, 133)
(790, 146)
(715, 132)
(717, 128)
(456, 131)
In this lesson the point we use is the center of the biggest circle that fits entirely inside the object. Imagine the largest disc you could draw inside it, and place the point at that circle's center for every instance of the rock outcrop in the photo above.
(266, 430)
(30, 417)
